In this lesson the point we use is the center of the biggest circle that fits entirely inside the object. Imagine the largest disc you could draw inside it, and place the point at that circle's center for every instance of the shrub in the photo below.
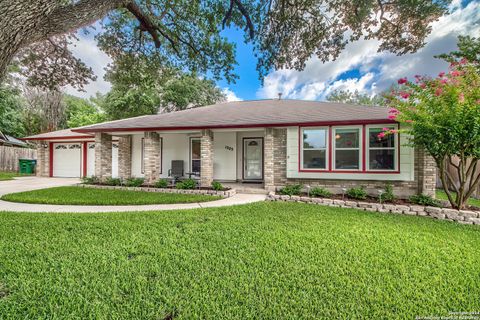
(90, 180)
(388, 195)
(113, 181)
(162, 183)
(357, 193)
(217, 186)
(134, 182)
(291, 190)
(424, 200)
(186, 184)
(320, 192)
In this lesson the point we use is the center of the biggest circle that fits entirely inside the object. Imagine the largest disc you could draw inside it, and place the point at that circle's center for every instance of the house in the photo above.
(7, 140)
(274, 142)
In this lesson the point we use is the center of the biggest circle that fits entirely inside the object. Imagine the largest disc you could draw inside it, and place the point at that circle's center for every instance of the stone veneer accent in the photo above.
(43, 159)
(152, 146)
(276, 144)
(224, 194)
(103, 155)
(206, 163)
(460, 216)
(125, 157)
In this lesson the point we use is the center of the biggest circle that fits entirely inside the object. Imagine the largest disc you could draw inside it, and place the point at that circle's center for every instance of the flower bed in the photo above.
(222, 193)
(460, 216)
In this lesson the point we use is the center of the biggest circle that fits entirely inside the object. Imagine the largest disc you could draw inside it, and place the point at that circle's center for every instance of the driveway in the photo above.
(33, 183)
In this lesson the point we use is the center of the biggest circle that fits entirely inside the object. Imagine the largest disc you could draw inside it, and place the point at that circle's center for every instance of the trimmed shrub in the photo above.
(162, 183)
(186, 184)
(291, 190)
(388, 195)
(90, 180)
(217, 186)
(320, 192)
(134, 182)
(357, 193)
(424, 200)
(113, 181)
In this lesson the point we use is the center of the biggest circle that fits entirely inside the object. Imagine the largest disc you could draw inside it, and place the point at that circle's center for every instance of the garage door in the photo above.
(67, 159)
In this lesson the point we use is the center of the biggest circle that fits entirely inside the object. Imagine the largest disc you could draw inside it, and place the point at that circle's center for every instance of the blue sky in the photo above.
(359, 67)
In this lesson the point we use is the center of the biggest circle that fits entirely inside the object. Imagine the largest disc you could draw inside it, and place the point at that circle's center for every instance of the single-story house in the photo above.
(7, 140)
(273, 142)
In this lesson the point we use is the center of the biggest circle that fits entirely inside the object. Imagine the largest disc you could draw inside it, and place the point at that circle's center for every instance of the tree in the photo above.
(44, 110)
(468, 48)
(345, 96)
(188, 33)
(81, 112)
(442, 116)
(11, 105)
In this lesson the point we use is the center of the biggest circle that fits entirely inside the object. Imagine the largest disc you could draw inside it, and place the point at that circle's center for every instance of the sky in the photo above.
(359, 67)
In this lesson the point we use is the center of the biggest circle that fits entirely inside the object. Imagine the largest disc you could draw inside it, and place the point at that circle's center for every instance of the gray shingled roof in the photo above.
(248, 113)
(67, 133)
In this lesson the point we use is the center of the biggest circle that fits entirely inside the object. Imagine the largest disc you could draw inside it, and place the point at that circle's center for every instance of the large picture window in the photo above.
(314, 148)
(381, 150)
(347, 148)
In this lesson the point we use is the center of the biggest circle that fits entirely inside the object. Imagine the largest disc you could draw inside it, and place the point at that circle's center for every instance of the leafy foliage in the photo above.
(357, 193)
(424, 200)
(11, 115)
(320, 192)
(387, 195)
(186, 184)
(113, 181)
(134, 182)
(217, 186)
(345, 96)
(91, 180)
(291, 189)
(161, 183)
(81, 112)
(468, 48)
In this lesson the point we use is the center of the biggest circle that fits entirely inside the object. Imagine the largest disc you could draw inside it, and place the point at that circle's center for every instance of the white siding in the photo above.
(225, 166)
(175, 147)
(406, 164)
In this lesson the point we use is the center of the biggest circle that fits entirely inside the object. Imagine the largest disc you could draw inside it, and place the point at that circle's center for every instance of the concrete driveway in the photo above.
(33, 183)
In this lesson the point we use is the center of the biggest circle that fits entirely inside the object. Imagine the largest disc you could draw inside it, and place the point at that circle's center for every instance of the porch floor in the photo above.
(248, 188)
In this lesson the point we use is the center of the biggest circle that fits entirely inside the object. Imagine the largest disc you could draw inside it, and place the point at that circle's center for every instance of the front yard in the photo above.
(266, 260)
(5, 176)
(90, 196)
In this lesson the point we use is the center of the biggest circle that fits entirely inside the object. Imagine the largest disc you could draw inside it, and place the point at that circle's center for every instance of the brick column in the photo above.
(268, 160)
(43, 159)
(125, 157)
(427, 172)
(152, 157)
(103, 155)
(206, 163)
(280, 157)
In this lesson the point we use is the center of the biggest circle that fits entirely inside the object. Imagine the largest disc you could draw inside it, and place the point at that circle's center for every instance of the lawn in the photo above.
(8, 175)
(267, 260)
(443, 196)
(91, 196)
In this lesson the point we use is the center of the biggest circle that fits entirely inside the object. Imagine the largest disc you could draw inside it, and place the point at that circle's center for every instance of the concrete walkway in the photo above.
(34, 183)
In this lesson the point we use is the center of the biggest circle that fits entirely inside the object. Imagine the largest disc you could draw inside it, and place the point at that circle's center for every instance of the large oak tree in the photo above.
(285, 33)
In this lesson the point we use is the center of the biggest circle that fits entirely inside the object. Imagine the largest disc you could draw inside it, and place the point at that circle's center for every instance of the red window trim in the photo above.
(363, 149)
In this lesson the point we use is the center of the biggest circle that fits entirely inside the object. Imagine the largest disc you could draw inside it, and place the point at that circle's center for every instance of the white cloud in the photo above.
(87, 50)
(231, 96)
(377, 70)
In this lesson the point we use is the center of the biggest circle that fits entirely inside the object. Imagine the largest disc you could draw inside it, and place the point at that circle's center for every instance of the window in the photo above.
(195, 155)
(347, 148)
(381, 150)
(314, 148)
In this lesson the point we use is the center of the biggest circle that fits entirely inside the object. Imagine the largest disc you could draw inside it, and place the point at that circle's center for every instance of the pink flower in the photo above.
(392, 116)
(393, 110)
(393, 131)
(441, 74)
(443, 81)
(461, 98)
(423, 85)
(402, 80)
(381, 135)
(455, 73)
(404, 95)
(438, 91)
(385, 129)
(464, 61)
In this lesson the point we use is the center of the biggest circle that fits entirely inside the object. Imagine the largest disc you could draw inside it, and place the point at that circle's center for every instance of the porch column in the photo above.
(152, 157)
(427, 173)
(125, 157)
(206, 156)
(268, 165)
(103, 155)
(43, 159)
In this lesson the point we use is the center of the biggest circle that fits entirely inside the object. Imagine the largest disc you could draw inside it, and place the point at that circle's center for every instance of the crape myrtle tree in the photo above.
(442, 115)
(187, 34)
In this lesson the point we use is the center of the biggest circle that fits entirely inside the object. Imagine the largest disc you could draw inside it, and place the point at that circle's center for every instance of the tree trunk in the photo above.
(25, 22)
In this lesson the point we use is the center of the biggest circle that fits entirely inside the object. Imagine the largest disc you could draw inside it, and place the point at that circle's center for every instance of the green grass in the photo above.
(440, 194)
(266, 260)
(92, 196)
(4, 176)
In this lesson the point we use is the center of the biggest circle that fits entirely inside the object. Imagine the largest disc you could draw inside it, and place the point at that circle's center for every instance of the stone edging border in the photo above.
(460, 216)
(223, 194)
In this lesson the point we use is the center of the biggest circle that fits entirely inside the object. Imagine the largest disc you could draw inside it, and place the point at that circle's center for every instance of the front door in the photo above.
(252, 158)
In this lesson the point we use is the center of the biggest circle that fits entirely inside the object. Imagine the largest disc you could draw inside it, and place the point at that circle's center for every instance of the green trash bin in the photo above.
(27, 166)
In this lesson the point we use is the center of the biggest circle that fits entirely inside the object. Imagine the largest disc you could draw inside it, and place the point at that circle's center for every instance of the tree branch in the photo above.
(146, 24)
